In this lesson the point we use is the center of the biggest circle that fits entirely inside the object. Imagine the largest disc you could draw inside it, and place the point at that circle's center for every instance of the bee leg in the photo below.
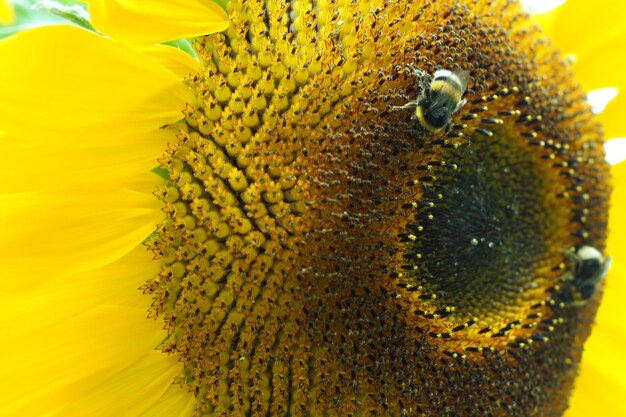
(421, 75)
(578, 303)
(410, 105)
(423, 78)
(570, 254)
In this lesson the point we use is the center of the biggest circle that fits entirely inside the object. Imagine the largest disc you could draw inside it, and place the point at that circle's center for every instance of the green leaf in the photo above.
(222, 3)
(33, 13)
(184, 45)
(161, 172)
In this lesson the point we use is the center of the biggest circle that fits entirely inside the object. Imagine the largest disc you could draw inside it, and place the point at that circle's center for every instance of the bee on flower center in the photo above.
(588, 268)
(442, 96)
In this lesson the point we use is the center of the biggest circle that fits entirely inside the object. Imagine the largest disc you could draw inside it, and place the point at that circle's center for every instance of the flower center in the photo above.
(323, 254)
(488, 224)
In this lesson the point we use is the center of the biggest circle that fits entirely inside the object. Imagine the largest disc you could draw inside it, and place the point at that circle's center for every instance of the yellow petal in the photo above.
(596, 395)
(603, 65)
(28, 313)
(53, 232)
(599, 54)
(129, 392)
(176, 402)
(617, 221)
(579, 25)
(67, 360)
(546, 21)
(148, 22)
(7, 15)
(71, 83)
(601, 386)
(612, 118)
(32, 162)
(177, 61)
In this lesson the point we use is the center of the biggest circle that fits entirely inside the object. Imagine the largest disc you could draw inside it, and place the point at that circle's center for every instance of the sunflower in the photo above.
(261, 226)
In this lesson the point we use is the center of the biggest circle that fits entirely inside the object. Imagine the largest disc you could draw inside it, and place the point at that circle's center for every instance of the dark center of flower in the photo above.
(486, 223)
(324, 255)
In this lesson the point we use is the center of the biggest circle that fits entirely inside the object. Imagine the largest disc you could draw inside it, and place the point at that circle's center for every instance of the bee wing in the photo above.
(463, 78)
(455, 86)
(605, 267)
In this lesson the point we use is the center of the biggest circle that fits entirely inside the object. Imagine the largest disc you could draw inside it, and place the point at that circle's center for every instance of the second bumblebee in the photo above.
(588, 269)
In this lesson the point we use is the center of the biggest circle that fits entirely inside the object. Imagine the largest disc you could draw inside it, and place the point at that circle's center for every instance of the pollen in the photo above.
(324, 256)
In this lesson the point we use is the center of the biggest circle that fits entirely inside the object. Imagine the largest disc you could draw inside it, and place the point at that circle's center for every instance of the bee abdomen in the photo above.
(435, 117)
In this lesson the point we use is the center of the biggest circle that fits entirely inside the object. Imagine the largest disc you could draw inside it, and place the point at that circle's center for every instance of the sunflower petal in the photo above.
(7, 16)
(598, 63)
(176, 402)
(601, 385)
(33, 163)
(546, 21)
(76, 356)
(612, 118)
(131, 391)
(80, 85)
(54, 232)
(564, 24)
(177, 61)
(148, 22)
(617, 220)
(602, 65)
(28, 313)
(596, 394)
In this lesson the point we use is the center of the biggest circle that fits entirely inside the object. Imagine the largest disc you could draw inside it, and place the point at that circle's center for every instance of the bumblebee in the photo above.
(442, 96)
(588, 269)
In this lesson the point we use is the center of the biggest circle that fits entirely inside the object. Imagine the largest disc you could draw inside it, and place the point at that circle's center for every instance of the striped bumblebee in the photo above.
(441, 97)
(588, 269)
